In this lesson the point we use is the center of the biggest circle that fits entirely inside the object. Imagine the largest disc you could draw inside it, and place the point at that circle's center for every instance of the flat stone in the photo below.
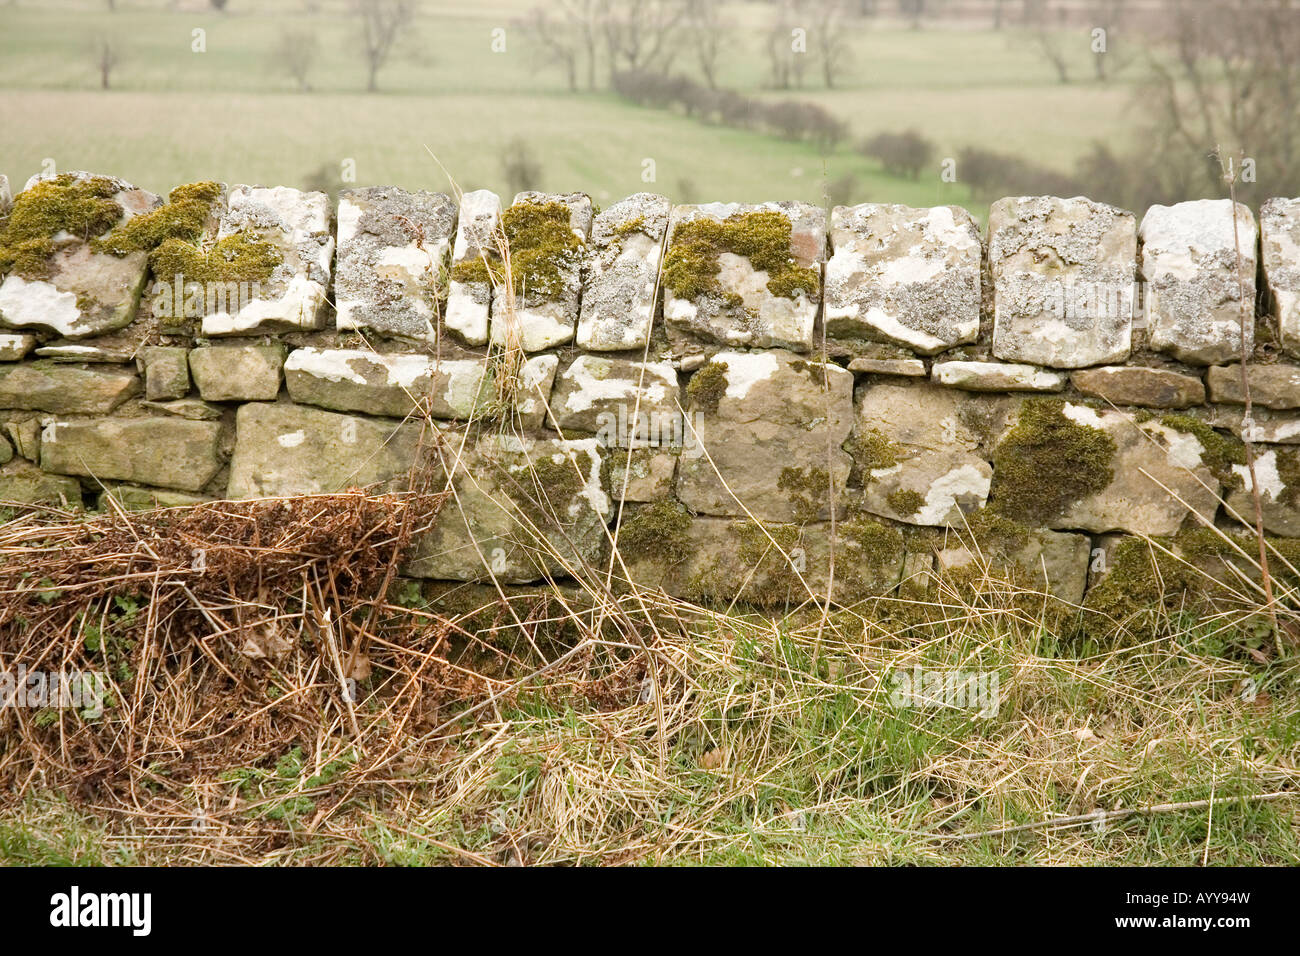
(391, 384)
(86, 293)
(545, 321)
(649, 473)
(469, 303)
(168, 452)
(904, 275)
(26, 438)
(65, 389)
(937, 489)
(298, 225)
(619, 292)
(392, 245)
(536, 379)
(1052, 560)
(283, 450)
(908, 368)
(1271, 386)
(760, 318)
(779, 420)
(1279, 240)
(25, 484)
(15, 345)
(1268, 427)
(166, 372)
(84, 353)
(1062, 272)
(237, 373)
(1189, 265)
(195, 409)
(523, 509)
(996, 377)
(1148, 387)
(135, 498)
(725, 560)
(598, 394)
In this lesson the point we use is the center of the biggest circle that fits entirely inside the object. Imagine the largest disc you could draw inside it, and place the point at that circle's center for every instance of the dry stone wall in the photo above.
(759, 402)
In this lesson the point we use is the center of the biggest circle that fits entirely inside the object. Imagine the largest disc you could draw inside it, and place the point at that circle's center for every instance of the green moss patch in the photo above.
(905, 501)
(707, 386)
(659, 532)
(809, 489)
(1221, 451)
(870, 450)
(544, 250)
(84, 208)
(243, 257)
(1047, 462)
(187, 211)
(691, 266)
(879, 544)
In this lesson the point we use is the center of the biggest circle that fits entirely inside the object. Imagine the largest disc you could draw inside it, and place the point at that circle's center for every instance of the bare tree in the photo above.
(785, 62)
(1107, 15)
(828, 35)
(295, 54)
(707, 30)
(567, 40)
(1045, 21)
(107, 55)
(382, 24)
(639, 34)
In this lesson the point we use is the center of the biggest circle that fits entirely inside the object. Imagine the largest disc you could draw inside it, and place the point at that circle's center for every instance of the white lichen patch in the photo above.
(745, 370)
(961, 488)
(39, 304)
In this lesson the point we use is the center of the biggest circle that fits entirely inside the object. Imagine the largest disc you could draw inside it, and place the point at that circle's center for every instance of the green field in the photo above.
(174, 115)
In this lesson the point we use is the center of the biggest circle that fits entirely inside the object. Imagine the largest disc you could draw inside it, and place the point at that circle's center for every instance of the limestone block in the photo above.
(166, 372)
(595, 394)
(167, 452)
(65, 389)
(393, 245)
(477, 229)
(908, 276)
(1063, 277)
(15, 345)
(996, 377)
(392, 384)
(1052, 560)
(715, 290)
(619, 292)
(1279, 239)
(1271, 386)
(24, 484)
(237, 373)
(1189, 263)
(1148, 387)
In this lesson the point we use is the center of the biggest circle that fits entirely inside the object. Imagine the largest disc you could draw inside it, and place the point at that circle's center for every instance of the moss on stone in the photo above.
(1221, 451)
(775, 580)
(1288, 469)
(905, 501)
(659, 532)
(630, 227)
(880, 544)
(1140, 578)
(808, 488)
(83, 208)
(707, 386)
(1047, 462)
(543, 251)
(691, 267)
(994, 531)
(870, 450)
(183, 217)
(242, 257)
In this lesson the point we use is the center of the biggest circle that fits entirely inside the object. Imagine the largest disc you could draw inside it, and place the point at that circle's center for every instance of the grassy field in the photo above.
(174, 115)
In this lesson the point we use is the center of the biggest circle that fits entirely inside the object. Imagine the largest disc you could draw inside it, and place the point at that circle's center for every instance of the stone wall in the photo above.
(736, 392)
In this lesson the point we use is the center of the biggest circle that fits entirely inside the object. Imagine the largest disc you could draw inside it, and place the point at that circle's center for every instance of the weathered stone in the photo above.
(721, 559)
(1148, 387)
(1189, 263)
(237, 373)
(168, 452)
(15, 345)
(1271, 386)
(908, 368)
(195, 409)
(283, 450)
(1052, 560)
(65, 389)
(1062, 272)
(83, 292)
(298, 225)
(6, 199)
(24, 484)
(1159, 475)
(1278, 472)
(135, 498)
(618, 295)
(26, 438)
(921, 450)
(744, 310)
(649, 473)
(1279, 240)
(598, 394)
(918, 576)
(544, 319)
(392, 384)
(6, 451)
(522, 510)
(910, 276)
(392, 245)
(996, 377)
(166, 372)
(477, 228)
(768, 428)
(62, 352)
(536, 378)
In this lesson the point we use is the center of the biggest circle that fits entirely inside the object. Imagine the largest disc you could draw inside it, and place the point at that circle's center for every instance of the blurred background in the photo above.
(915, 101)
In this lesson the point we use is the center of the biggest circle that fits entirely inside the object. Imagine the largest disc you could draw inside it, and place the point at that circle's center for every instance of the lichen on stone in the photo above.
(808, 488)
(707, 386)
(1220, 452)
(1048, 462)
(83, 208)
(691, 267)
(544, 250)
